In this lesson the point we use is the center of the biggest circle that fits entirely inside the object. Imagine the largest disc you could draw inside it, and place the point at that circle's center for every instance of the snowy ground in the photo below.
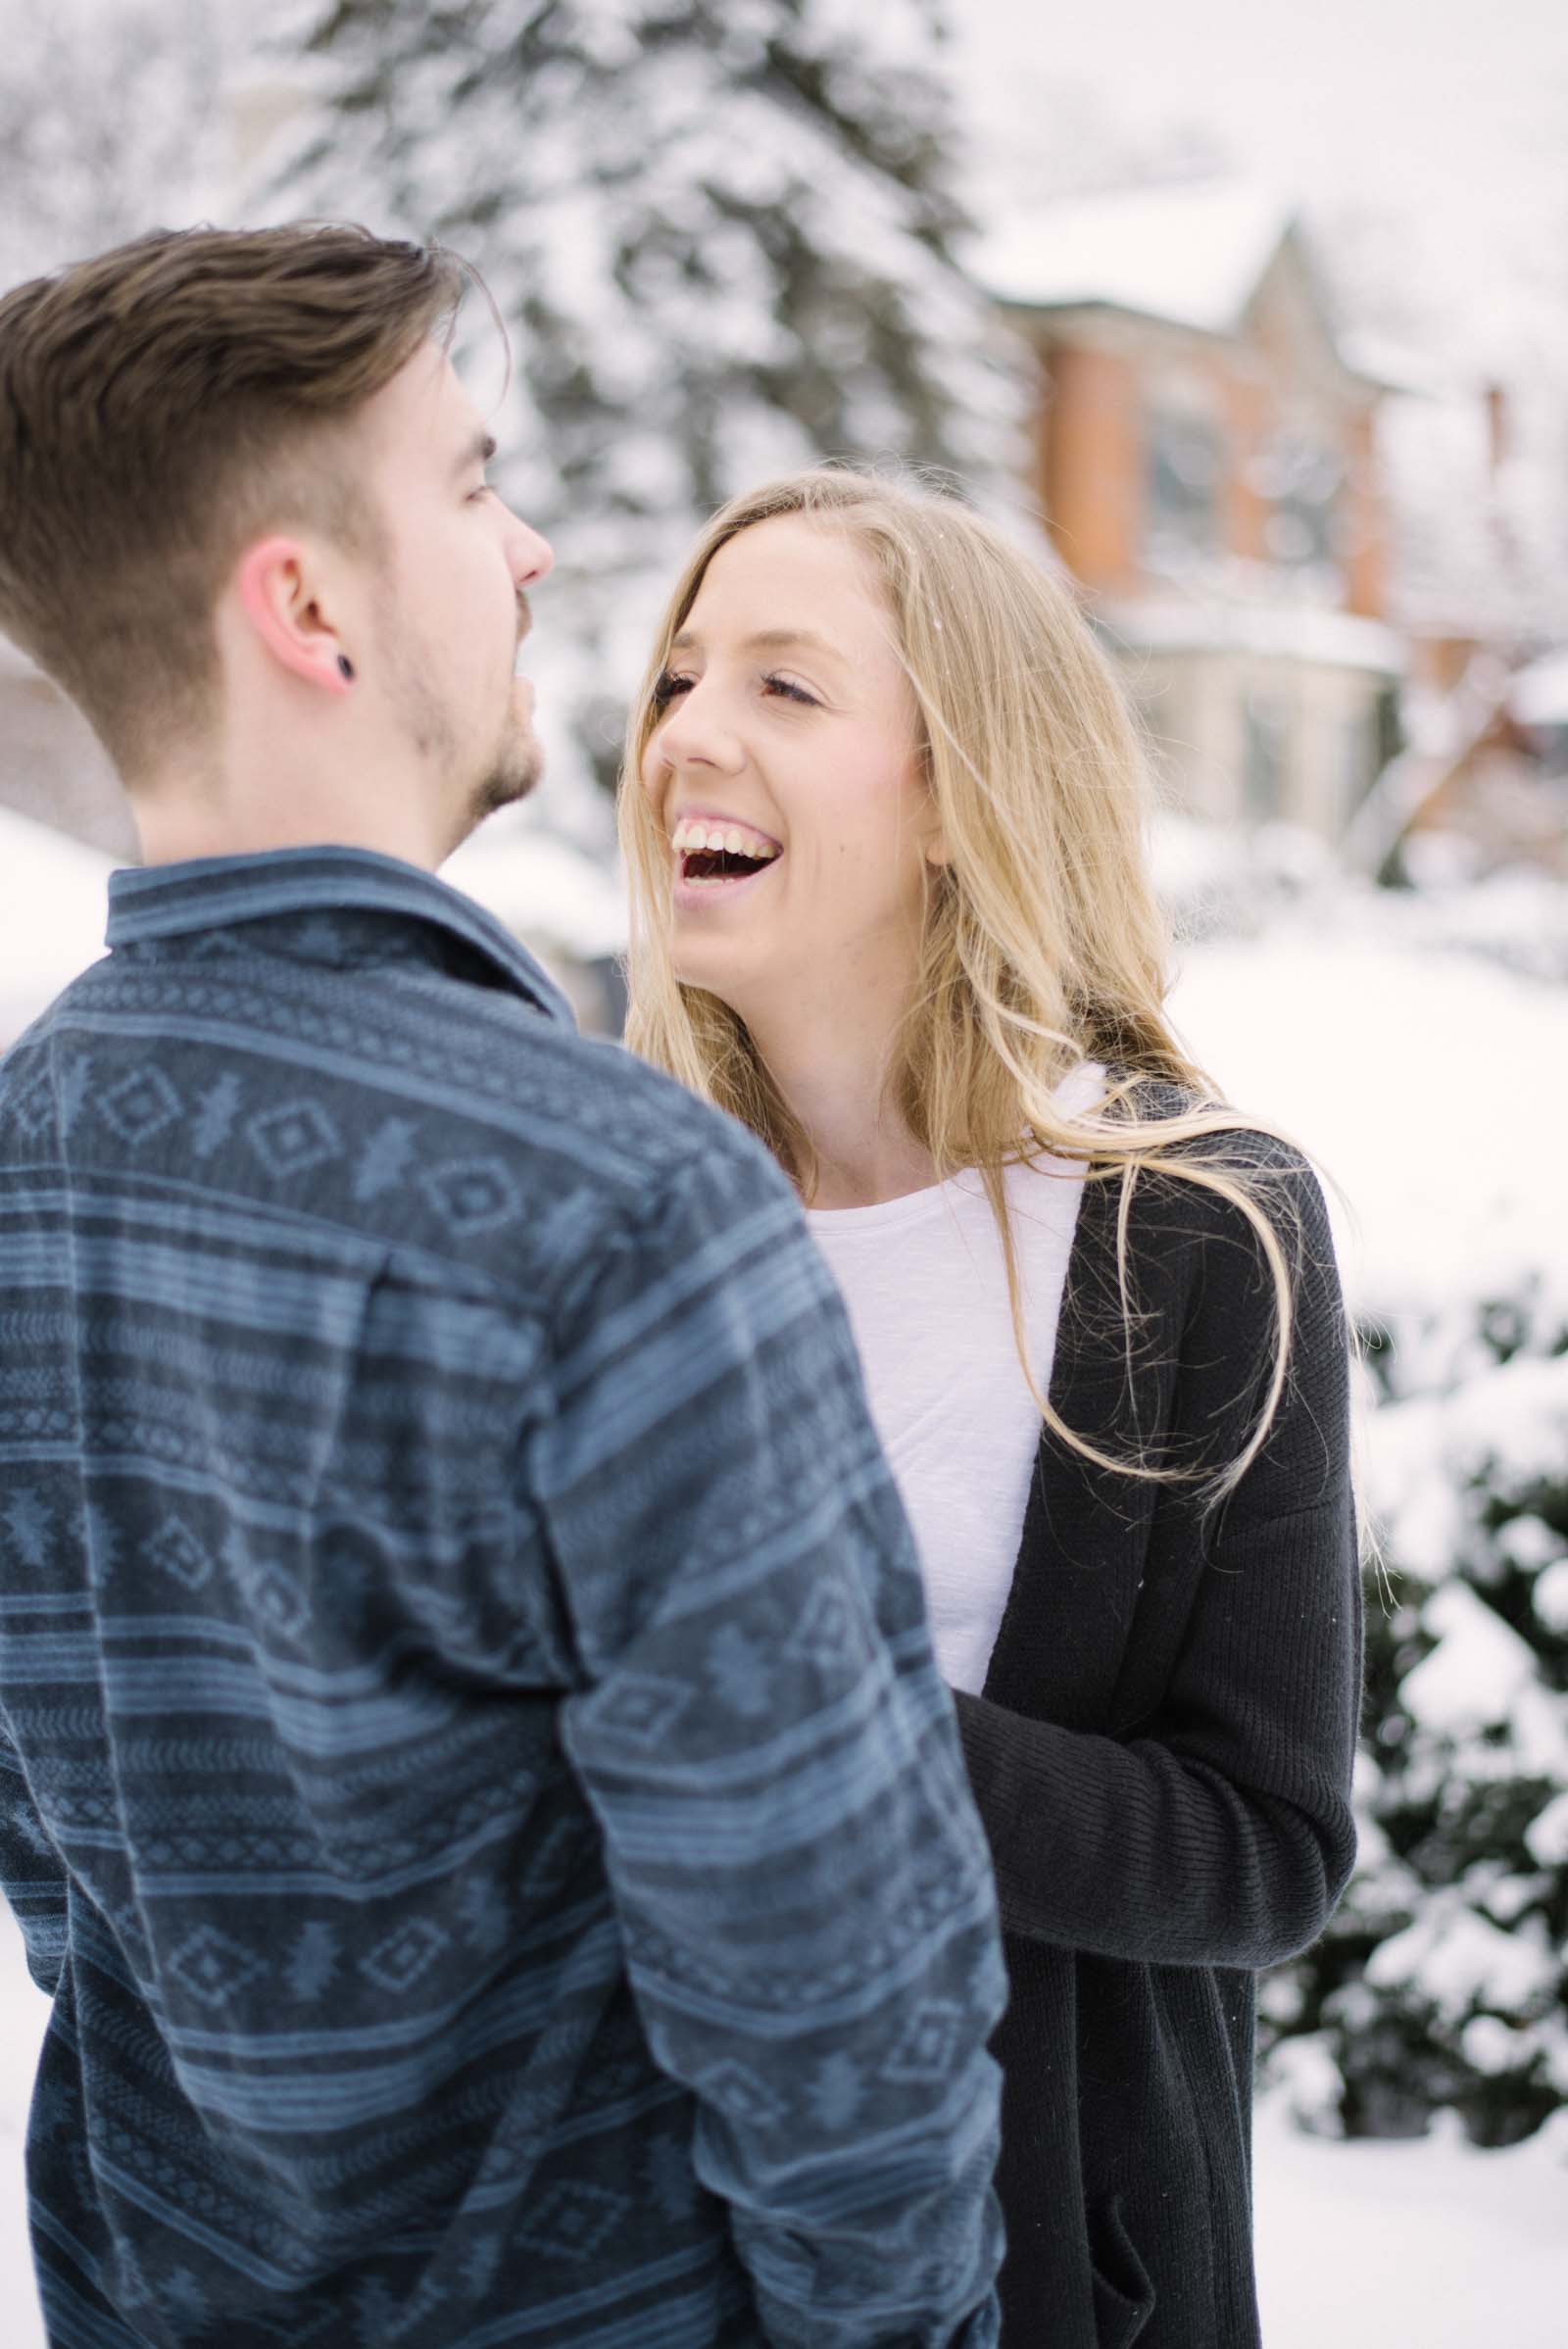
(1423, 2246)
(1392, 1040)
(1429, 2245)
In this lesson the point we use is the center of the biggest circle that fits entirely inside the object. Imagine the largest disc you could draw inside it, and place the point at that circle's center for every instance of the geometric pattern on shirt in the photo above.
(926, 2049)
(34, 1108)
(213, 1966)
(472, 1194)
(641, 1708)
(141, 1105)
(741, 1671)
(831, 1632)
(294, 1138)
(174, 1549)
(738, 2092)
(574, 2219)
(275, 1597)
(398, 1962)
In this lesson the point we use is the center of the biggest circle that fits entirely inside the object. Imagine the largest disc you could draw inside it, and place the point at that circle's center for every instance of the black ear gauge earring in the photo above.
(345, 668)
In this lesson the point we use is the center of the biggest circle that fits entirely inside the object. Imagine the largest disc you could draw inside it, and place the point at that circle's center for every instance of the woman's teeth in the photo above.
(692, 836)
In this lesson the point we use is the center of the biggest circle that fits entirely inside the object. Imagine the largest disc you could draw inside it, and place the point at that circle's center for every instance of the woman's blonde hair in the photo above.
(1043, 943)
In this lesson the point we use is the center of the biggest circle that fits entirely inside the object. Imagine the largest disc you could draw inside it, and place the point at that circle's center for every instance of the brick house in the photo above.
(1481, 592)
(1205, 462)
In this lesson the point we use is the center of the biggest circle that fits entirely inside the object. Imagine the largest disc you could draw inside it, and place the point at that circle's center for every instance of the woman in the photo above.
(884, 820)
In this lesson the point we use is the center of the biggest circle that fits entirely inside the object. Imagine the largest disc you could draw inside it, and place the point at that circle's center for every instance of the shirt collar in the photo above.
(213, 893)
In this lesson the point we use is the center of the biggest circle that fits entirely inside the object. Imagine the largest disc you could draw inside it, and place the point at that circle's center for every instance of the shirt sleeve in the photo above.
(800, 1874)
(30, 1872)
(1220, 1830)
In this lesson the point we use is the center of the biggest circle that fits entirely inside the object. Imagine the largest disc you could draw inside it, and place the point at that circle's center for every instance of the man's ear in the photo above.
(276, 593)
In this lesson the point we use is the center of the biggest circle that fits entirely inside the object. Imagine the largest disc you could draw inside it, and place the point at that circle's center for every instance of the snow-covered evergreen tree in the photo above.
(1442, 1981)
(109, 122)
(721, 237)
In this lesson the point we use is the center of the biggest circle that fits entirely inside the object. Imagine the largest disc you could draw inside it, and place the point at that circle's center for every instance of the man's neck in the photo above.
(297, 803)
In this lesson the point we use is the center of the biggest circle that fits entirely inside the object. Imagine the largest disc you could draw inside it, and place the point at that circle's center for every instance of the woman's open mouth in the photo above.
(715, 854)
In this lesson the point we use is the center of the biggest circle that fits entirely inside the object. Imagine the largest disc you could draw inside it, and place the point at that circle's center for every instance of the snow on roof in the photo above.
(1393, 364)
(54, 898)
(547, 891)
(1192, 254)
(1278, 630)
(1540, 696)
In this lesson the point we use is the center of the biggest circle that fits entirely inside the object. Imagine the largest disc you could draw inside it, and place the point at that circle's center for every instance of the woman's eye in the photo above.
(666, 687)
(792, 692)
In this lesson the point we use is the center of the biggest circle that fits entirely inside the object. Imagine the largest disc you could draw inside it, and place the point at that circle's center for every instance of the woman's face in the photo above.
(785, 775)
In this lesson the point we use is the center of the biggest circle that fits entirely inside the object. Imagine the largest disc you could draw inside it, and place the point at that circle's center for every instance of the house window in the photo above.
(1371, 739)
(1387, 731)
(1554, 746)
(1184, 467)
(1357, 768)
(1303, 480)
(1265, 757)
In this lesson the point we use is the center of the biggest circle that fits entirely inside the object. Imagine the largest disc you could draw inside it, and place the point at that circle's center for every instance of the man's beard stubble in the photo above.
(519, 759)
(513, 771)
(510, 771)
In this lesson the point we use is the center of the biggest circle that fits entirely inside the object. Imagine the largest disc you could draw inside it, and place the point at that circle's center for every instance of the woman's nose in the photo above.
(695, 734)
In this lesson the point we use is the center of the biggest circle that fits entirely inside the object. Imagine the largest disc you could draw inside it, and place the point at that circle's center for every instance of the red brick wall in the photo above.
(1366, 538)
(1249, 408)
(1090, 470)
(1090, 463)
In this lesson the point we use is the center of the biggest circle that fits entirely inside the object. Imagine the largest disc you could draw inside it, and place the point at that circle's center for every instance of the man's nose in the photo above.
(529, 555)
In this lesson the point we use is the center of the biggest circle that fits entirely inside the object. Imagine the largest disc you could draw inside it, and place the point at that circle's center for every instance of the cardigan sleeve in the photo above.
(1218, 1832)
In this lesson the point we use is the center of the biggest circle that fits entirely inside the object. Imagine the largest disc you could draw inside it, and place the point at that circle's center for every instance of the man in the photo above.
(473, 1774)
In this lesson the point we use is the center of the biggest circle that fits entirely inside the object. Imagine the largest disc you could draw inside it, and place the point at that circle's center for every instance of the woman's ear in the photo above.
(934, 845)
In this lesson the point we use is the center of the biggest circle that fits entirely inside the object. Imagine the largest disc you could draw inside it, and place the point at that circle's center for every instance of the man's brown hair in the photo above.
(161, 406)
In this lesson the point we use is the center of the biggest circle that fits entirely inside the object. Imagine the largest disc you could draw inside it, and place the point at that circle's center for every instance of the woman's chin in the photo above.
(733, 978)
(704, 972)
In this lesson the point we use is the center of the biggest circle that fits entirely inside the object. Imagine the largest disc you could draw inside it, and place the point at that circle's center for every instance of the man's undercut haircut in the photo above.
(160, 406)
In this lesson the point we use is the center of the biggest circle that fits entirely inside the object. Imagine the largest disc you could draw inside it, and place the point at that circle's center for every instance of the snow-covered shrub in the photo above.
(1442, 1981)
(1412, 1040)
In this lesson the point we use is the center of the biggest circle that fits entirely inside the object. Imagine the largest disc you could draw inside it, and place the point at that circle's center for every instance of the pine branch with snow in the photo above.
(109, 122)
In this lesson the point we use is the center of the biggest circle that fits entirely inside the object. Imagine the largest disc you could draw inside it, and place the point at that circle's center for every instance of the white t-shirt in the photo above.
(926, 1285)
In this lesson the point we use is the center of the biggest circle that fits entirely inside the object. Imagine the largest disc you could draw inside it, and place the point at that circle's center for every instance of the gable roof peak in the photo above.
(1192, 253)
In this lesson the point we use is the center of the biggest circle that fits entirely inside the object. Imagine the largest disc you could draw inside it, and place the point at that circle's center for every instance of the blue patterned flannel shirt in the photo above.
(474, 1779)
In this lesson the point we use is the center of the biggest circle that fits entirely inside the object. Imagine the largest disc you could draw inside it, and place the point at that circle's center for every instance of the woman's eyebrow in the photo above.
(765, 640)
(477, 450)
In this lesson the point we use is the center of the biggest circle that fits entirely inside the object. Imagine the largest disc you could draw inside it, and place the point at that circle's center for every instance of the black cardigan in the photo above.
(1162, 1756)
